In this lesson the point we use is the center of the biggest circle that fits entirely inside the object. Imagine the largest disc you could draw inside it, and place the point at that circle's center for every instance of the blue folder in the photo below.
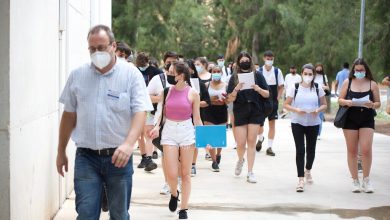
(214, 135)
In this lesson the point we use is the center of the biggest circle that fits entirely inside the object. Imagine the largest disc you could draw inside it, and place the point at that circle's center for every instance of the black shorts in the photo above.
(247, 113)
(216, 114)
(274, 114)
(359, 117)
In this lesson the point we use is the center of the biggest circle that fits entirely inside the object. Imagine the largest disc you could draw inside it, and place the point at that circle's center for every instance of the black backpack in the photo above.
(268, 103)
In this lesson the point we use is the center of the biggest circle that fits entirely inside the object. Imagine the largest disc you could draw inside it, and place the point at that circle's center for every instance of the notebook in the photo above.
(214, 135)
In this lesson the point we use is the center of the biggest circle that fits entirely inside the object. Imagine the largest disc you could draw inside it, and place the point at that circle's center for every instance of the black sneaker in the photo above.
(104, 199)
(149, 164)
(259, 145)
(215, 167)
(270, 152)
(183, 214)
(218, 157)
(155, 155)
(173, 202)
(142, 164)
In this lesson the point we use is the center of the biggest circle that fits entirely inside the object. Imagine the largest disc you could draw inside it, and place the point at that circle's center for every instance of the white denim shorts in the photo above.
(178, 133)
(149, 119)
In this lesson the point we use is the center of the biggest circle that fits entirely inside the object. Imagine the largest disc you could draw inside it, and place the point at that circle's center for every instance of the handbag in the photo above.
(157, 141)
(341, 115)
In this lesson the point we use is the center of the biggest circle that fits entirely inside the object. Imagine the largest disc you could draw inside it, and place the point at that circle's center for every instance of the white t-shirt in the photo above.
(291, 79)
(155, 86)
(320, 79)
(270, 76)
(306, 99)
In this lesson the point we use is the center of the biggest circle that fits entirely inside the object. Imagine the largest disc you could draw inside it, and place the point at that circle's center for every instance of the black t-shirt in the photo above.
(249, 95)
(149, 73)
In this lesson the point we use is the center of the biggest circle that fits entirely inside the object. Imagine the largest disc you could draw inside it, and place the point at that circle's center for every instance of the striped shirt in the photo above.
(104, 103)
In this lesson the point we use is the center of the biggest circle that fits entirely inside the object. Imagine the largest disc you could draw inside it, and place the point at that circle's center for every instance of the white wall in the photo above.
(39, 64)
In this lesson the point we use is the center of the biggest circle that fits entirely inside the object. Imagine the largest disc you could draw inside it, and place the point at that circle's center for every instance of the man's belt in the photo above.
(101, 152)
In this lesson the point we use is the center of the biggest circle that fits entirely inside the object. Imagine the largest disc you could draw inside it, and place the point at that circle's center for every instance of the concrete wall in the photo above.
(4, 111)
(35, 60)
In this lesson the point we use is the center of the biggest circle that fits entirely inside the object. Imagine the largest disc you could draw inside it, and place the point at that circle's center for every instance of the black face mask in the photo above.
(171, 79)
(166, 67)
(293, 72)
(246, 65)
(319, 72)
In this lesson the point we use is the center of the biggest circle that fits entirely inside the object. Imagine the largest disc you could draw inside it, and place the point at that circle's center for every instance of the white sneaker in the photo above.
(309, 178)
(239, 165)
(251, 178)
(301, 186)
(165, 190)
(367, 187)
(356, 186)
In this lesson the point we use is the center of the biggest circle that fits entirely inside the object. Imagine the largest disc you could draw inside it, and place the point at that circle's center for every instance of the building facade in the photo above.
(40, 42)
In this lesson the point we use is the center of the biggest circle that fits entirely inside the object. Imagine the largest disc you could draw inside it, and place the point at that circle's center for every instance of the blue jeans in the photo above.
(90, 172)
(322, 116)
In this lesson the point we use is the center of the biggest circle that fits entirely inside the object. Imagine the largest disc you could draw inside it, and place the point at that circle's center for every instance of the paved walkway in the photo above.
(223, 196)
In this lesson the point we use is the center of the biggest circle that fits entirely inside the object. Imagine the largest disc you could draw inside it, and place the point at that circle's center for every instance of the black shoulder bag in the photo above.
(157, 141)
(341, 115)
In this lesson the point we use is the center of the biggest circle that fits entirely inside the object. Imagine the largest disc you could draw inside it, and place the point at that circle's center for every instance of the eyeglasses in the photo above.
(99, 48)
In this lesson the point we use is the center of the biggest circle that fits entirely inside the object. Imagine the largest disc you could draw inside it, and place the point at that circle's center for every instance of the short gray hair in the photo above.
(96, 29)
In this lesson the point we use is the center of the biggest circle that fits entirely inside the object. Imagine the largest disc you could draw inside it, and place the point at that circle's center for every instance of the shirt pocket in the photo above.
(119, 102)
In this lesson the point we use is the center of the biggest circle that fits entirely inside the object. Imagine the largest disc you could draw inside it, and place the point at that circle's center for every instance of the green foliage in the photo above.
(297, 31)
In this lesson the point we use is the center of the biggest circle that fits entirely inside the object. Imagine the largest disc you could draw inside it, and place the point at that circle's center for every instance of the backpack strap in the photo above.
(166, 90)
(163, 82)
(318, 93)
(324, 79)
(296, 89)
(276, 75)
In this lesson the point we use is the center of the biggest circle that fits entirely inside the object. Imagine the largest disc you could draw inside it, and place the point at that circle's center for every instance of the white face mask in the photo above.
(101, 59)
(307, 79)
(221, 63)
(269, 62)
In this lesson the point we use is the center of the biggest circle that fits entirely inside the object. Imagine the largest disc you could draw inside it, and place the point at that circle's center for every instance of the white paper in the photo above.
(248, 79)
(361, 101)
(195, 84)
(308, 110)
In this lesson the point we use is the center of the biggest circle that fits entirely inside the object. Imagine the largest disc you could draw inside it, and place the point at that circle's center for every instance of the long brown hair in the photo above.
(360, 61)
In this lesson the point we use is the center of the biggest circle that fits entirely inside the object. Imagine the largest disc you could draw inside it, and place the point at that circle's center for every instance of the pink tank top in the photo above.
(177, 105)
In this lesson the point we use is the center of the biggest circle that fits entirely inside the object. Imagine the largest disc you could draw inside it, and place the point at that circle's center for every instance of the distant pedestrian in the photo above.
(360, 123)
(322, 81)
(275, 81)
(216, 112)
(341, 76)
(302, 100)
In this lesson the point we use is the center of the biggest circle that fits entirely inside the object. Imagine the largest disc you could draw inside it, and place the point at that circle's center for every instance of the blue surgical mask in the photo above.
(221, 63)
(215, 76)
(199, 69)
(360, 75)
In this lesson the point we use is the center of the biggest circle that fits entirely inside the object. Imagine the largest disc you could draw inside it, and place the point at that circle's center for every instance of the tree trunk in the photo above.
(255, 47)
